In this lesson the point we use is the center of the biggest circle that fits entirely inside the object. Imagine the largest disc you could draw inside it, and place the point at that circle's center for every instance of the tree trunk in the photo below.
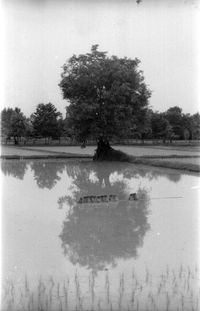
(105, 152)
(15, 140)
(103, 149)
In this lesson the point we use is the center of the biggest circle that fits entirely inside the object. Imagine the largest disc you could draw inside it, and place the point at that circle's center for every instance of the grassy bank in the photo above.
(181, 159)
(178, 163)
(58, 156)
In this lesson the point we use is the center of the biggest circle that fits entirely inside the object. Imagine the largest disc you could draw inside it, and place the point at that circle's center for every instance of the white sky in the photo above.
(41, 35)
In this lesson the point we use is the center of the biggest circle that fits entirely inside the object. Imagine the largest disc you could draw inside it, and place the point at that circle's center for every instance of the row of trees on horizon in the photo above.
(108, 101)
(48, 122)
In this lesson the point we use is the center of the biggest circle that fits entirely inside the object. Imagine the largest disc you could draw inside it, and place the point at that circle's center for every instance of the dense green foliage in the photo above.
(155, 125)
(107, 95)
(107, 100)
(174, 124)
(13, 123)
(45, 121)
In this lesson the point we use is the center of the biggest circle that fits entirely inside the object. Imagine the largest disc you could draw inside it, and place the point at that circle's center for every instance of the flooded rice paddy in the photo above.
(121, 254)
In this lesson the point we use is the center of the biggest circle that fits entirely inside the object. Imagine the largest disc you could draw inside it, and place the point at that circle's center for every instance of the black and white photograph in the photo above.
(100, 155)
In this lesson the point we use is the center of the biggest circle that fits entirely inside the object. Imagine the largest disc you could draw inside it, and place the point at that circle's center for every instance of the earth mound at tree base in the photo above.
(107, 153)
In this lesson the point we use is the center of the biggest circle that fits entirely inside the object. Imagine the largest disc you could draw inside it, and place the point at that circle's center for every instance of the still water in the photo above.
(122, 255)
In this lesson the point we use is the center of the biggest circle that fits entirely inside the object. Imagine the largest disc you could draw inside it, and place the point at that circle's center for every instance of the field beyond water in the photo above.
(177, 157)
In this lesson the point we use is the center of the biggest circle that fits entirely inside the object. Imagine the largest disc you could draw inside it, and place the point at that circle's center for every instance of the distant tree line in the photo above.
(46, 122)
(108, 100)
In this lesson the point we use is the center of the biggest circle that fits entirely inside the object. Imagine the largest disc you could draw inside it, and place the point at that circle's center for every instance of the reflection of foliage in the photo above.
(14, 168)
(94, 237)
(46, 173)
(84, 184)
(93, 178)
(154, 173)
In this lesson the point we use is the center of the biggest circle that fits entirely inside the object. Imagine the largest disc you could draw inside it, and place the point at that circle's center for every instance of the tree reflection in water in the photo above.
(46, 172)
(15, 168)
(97, 236)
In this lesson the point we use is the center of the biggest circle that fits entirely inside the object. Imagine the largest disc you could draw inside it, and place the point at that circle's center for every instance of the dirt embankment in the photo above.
(177, 158)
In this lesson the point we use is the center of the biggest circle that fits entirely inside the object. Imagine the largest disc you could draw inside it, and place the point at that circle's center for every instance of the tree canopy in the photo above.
(106, 94)
(45, 120)
(13, 123)
(108, 100)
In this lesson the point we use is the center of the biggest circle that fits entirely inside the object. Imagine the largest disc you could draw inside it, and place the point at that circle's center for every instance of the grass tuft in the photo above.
(171, 290)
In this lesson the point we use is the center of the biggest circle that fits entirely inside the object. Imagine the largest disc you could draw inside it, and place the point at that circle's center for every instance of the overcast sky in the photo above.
(41, 35)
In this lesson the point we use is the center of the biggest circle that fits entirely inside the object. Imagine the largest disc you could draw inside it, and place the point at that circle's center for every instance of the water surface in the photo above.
(58, 254)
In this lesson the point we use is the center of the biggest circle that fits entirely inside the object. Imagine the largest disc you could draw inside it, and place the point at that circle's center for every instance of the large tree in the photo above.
(13, 123)
(174, 116)
(6, 115)
(195, 126)
(106, 96)
(45, 120)
(18, 125)
(161, 128)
